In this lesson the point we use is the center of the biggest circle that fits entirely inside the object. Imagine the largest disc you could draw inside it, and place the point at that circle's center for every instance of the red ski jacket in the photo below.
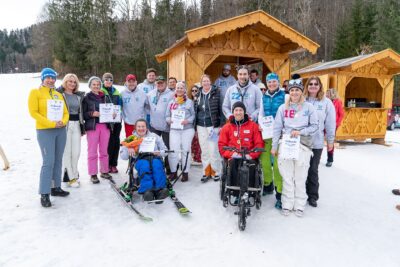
(237, 135)
(337, 103)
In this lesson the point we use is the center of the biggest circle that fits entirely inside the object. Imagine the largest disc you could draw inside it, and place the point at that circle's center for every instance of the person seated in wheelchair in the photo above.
(149, 165)
(239, 132)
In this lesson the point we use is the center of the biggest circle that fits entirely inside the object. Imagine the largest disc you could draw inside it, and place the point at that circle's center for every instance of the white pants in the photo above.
(209, 150)
(294, 175)
(72, 149)
(180, 140)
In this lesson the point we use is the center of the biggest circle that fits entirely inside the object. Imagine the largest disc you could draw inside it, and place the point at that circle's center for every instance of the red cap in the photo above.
(130, 77)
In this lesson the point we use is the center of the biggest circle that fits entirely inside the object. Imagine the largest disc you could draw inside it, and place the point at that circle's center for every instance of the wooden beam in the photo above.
(240, 53)
(365, 75)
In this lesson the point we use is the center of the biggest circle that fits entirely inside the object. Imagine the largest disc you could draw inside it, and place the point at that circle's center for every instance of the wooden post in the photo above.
(5, 160)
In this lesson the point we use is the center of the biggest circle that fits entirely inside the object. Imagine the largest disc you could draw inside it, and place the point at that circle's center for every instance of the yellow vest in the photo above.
(37, 104)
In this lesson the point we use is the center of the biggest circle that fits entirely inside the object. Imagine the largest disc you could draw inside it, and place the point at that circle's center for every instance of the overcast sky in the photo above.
(19, 13)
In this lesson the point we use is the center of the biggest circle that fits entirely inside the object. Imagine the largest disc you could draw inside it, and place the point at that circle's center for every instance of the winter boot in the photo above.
(185, 177)
(278, 204)
(73, 183)
(94, 179)
(216, 178)
(45, 201)
(328, 164)
(285, 212)
(58, 192)
(299, 213)
(148, 195)
(113, 169)
(161, 194)
(204, 178)
(268, 189)
(312, 202)
(396, 192)
(107, 176)
(172, 176)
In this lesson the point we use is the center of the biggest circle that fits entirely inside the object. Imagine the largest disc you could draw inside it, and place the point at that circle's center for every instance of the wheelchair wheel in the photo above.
(242, 216)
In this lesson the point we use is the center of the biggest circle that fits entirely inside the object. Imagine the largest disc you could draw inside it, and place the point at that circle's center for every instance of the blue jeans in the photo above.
(52, 144)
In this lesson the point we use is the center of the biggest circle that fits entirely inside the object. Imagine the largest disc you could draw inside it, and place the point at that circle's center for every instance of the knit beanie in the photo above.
(107, 75)
(272, 76)
(239, 104)
(48, 72)
(296, 84)
(93, 78)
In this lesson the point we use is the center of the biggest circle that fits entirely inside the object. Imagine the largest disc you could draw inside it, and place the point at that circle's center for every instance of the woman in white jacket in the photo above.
(182, 131)
(295, 118)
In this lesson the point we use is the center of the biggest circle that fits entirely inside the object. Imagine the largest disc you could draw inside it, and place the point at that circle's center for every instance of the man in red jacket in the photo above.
(240, 132)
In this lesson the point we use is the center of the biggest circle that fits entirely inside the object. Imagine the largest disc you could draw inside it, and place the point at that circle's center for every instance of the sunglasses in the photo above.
(313, 84)
(296, 81)
(108, 80)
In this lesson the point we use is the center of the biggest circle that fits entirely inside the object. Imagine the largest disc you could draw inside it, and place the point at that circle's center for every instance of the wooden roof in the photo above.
(386, 58)
(259, 21)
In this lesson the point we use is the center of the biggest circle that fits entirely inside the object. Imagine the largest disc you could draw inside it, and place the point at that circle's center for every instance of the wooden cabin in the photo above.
(366, 80)
(252, 38)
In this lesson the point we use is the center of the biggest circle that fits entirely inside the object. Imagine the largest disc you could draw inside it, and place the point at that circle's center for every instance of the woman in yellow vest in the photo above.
(47, 107)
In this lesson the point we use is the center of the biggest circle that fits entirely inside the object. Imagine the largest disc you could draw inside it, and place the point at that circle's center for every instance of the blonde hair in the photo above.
(301, 101)
(67, 78)
(321, 93)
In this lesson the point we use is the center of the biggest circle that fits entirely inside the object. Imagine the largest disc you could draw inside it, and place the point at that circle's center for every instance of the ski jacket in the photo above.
(300, 117)
(270, 103)
(250, 95)
(187, 106)
(37, 105)
(240, 134)
(337, 103)
(90, 104)
(326, 121)
(212, 100)
(133, 105)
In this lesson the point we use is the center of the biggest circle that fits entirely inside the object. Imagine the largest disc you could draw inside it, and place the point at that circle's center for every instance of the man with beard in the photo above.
(224, 81)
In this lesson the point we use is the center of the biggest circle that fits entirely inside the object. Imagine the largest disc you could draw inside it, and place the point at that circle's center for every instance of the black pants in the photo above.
(165, 138)
(312, 184)
(113, 144)
(330, 155)
(233, 173)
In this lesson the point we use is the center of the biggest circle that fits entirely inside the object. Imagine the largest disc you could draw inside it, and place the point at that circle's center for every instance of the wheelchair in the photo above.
(242, 184)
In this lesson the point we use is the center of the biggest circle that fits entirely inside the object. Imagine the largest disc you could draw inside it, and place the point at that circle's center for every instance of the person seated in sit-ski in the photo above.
(149, 165)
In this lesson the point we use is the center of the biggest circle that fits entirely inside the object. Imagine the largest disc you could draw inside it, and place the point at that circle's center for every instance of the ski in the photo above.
(179, 205)
(126, 199)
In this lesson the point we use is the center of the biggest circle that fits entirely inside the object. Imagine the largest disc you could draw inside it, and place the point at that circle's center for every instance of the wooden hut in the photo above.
(251, 38)
(366, 80)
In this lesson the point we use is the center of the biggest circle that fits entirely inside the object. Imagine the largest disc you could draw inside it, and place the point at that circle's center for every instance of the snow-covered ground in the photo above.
(355, 223)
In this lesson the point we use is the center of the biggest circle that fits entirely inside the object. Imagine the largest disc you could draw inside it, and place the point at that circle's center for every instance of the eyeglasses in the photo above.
(313, 84)
(108, 80)
(296, 81)
(241, 67)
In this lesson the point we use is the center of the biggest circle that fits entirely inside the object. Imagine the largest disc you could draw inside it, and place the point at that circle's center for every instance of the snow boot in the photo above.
(299, 213)
(106, 176)
(172, 176)
(285, 212)
(278, 204)
(73, 183)
(328, 164)
(58, 192)
(45, 201)
(216, 178)
(396, 192)
(204, 178)
(148, 195)
(185, 177)
(312, 202)
(94, 179)
(268, 189)
(113, 169)
(161, 194)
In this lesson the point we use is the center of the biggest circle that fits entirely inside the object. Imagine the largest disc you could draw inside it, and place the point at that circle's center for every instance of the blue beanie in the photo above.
(48, 72)
(272, 76)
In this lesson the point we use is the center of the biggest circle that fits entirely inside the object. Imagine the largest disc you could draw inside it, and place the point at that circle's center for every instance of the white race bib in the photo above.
(177, 117)
(55, 110)
(290, 147)
(148, 145)
(267, 125)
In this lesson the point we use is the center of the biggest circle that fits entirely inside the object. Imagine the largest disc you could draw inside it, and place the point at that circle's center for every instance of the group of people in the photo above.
(228, 112)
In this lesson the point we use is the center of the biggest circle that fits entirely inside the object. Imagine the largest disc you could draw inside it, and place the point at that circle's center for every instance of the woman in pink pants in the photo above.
(97, 133)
